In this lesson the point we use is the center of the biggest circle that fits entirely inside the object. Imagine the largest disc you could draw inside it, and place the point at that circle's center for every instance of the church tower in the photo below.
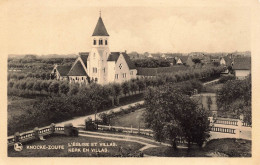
(97, 61)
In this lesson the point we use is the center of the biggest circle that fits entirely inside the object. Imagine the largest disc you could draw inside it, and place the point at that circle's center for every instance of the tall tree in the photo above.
(172, 114)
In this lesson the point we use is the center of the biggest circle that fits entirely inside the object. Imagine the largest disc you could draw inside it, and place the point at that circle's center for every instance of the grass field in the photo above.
(127, 120)
(18, 105)
(214, 148)
(121, 148)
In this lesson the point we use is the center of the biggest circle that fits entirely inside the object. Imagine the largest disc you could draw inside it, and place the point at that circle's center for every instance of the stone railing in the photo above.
(226, 122)
(223, 130)
(140, 131)
(35, 134)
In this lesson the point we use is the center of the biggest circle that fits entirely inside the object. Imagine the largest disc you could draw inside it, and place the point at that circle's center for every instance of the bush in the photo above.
(104, 118)
(224, 79)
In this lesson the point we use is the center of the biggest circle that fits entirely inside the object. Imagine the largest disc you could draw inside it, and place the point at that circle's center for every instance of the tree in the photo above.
(111, 92)
(118, 90)
(54, 87)
(37, 86)
(196, 60)
(45, 85)
(133, 87)
(95, 97)
(64, 88)
(235, 98)
(172, 114)
(141, 85)
(29, 85)
(125, 87)
(74, 88)
(209, 102)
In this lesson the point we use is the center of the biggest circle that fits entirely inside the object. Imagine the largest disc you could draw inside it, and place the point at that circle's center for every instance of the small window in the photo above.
(124, 75)
(104, 70)
(100, 42)
(105, 42)
(94, 42)
(116, 76)
(82, 78)
(120, 66)
(96, 79)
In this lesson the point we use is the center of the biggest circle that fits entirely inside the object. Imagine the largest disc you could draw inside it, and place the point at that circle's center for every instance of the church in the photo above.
(99, 65)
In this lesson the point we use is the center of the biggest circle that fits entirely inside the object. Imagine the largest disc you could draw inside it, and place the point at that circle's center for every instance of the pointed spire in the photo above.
(100, 29)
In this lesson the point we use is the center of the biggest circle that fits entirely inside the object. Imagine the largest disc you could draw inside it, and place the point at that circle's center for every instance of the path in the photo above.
(148, 143)
(81, 120)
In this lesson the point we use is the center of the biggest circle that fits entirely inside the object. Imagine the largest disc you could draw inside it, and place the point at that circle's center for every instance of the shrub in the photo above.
(224, 79)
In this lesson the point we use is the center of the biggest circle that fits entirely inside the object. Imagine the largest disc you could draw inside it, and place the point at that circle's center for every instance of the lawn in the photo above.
(18, 105)
(214, 148)
(129, 119)
(120, 148)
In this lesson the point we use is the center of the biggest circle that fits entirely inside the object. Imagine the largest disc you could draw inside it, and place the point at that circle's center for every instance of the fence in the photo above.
(34, 134)
(226, 122)
(246, 124)
(223, 130)
(146, 132)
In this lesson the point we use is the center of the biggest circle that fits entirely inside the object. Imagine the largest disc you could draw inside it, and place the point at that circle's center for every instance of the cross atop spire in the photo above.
(100, 29)
(100, 12)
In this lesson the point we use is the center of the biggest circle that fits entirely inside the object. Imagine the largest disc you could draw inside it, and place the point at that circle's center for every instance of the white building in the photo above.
(100, 65)
(242, 67)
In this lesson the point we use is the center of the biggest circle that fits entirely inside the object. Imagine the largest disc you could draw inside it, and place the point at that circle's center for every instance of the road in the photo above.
(79, 121)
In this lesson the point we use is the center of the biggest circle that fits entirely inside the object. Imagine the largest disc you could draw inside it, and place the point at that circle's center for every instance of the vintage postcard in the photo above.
(129, 80)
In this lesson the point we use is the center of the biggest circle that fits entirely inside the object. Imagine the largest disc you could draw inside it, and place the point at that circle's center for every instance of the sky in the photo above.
(54, 27)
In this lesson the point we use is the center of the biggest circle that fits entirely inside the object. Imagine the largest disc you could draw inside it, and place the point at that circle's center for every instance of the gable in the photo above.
(63, 70)
(115, 55)
(84, 57)
(77, 70)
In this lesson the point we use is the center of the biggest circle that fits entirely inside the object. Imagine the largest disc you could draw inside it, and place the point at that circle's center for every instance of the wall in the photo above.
(72, 79)
(124, 69)
(241, 74)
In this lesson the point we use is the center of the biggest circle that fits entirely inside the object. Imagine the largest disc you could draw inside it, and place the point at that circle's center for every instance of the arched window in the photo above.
(100, 42)
(94, 42)
(105, 42)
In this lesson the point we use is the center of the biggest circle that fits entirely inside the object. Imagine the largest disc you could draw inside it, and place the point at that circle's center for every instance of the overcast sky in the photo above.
(44, 28)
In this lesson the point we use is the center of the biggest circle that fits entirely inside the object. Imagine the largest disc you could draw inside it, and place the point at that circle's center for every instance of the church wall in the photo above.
(124, 72)
(110, 71)
(78, 79)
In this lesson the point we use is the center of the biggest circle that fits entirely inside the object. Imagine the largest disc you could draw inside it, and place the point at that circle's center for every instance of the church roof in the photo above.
(77, 70)
(84, 57)
(63, 70)
(114, 57)
(100, 29)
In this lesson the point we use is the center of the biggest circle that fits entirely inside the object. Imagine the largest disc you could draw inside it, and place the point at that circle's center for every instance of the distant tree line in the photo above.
(151, 63)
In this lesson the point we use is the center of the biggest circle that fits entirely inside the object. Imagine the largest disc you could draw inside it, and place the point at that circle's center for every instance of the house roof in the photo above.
(63, 70)
(130, 64)
(184, 59)
(114, 57)
(243, 63)
(77, 70)
(227, 60)
(84, 57)
(100, 29)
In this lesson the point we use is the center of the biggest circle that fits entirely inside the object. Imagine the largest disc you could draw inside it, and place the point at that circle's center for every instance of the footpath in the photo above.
(148, 143)
(79, 121)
